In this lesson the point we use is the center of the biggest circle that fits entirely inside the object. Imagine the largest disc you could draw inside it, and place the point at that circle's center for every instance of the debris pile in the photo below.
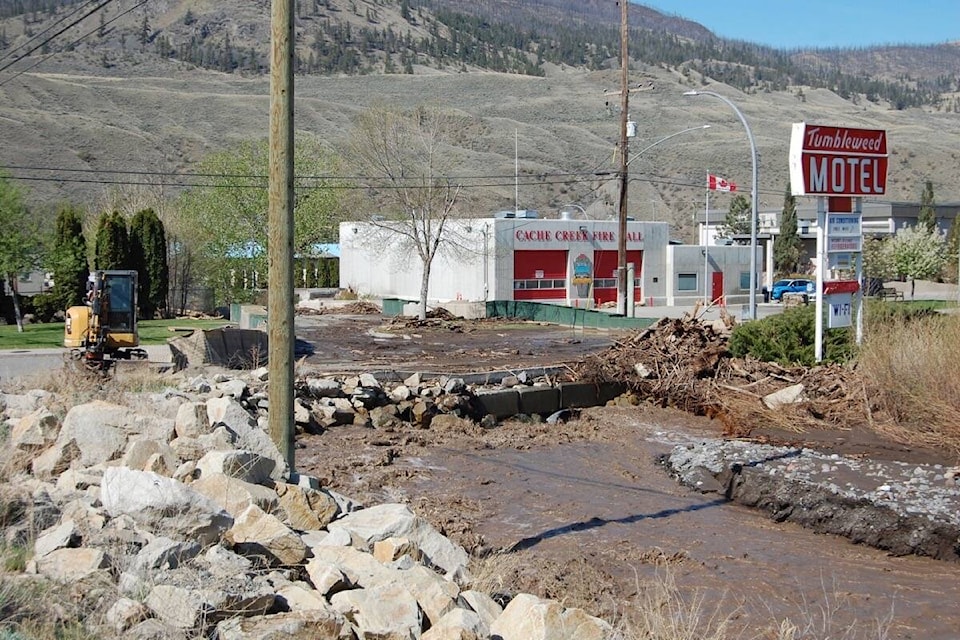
(355, 308)
(686, 364)
(358, 308)
(437, 317)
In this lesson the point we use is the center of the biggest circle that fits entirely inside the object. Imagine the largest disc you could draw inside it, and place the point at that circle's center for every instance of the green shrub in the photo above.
(45, 306)
(789, 338)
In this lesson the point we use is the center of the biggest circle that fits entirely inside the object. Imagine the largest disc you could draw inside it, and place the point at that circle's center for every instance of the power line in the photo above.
(44, 59)
(38, 35)
(343, 185)
(50, 39)
(484, 182)
(451, 178)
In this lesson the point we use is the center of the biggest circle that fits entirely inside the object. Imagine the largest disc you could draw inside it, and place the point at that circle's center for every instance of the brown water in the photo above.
(612, 502)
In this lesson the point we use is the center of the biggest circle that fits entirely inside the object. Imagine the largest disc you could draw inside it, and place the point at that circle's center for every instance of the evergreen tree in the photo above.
(148, 255)
(952, 270)
(737, 222)
(144, 35)
(787, 245)
(927, 220)
(111, 249)
(69, 259)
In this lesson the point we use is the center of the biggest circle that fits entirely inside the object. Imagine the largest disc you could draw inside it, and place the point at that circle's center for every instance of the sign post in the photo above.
(839, 166)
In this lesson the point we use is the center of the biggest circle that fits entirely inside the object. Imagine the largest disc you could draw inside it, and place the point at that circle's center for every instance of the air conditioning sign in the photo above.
(837, 161)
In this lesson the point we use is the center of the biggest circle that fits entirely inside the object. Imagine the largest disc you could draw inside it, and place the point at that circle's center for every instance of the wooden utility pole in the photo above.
(280, 330)
(622, 288)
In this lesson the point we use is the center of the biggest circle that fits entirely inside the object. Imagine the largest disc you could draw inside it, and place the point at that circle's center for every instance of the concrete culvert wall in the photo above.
(226, 347)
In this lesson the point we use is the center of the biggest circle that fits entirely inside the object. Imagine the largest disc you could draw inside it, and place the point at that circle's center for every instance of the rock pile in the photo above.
(173, 515)
(363, 400)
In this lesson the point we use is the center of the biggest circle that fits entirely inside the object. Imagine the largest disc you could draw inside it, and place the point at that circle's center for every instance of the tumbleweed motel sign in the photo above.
(840, 166)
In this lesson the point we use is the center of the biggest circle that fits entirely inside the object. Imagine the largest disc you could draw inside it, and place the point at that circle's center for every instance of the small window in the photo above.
(745, 280)
(686, 282)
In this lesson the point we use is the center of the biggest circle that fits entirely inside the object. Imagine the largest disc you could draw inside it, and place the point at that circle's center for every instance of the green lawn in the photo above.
(50, 336)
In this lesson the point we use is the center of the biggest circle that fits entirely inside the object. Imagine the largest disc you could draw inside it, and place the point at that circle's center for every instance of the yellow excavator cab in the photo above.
(105, 328)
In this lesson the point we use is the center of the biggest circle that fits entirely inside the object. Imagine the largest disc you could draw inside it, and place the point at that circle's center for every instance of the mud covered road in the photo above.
(588, 512)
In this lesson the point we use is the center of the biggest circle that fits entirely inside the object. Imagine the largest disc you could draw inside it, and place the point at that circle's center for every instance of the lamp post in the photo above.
(753, 197)
(576, 206)
(664, 139)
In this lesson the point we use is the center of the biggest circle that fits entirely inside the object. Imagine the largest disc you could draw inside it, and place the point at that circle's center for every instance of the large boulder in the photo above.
(161, 502)
(397, 520)
(528, 617)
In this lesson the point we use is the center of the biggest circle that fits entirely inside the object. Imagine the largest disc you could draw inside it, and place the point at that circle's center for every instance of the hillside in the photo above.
(77, 122)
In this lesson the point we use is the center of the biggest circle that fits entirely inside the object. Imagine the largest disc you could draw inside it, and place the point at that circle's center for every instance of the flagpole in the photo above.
(706, 242)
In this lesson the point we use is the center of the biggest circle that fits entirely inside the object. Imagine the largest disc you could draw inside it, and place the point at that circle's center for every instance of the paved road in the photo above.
(23, 363)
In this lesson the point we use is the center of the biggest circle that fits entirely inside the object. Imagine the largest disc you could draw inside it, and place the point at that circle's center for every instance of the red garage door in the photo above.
(605, 275)
(540, 275)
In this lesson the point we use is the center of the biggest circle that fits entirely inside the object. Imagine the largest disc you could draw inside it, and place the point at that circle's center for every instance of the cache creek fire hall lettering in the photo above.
(545, 235)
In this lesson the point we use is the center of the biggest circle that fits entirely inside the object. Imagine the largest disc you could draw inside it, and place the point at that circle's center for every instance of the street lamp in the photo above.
(753, 196)
(664, 139)
(576, 206)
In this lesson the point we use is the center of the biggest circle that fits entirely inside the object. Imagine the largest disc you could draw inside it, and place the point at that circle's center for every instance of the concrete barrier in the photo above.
(499, 404)
(542, 400)
(578, 394)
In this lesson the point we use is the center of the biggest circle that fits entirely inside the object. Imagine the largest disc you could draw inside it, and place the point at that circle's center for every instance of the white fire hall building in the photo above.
(518, 255)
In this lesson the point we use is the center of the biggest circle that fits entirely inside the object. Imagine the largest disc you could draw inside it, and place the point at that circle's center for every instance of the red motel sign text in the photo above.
(836, 161)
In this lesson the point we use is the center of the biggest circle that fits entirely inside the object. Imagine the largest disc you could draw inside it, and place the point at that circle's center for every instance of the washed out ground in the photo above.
(583, 511)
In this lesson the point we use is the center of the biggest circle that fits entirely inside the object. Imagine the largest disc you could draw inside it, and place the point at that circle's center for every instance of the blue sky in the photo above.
(823, 23)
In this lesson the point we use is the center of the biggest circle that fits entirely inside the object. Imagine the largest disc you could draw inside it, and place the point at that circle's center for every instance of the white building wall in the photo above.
(377, 259)
(476, 262)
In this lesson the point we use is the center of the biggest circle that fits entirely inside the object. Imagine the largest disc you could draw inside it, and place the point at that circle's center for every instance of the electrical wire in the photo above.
(344, 183)
(50, 39)
(39, 35)
(78, 40)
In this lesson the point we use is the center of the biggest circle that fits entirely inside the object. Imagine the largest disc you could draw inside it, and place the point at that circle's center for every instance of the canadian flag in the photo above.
(716, 183)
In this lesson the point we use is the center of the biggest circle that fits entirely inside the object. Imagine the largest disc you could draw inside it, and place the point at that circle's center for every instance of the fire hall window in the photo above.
(686, 282)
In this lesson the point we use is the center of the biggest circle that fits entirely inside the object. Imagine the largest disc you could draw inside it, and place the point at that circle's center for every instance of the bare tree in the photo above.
(405, 159)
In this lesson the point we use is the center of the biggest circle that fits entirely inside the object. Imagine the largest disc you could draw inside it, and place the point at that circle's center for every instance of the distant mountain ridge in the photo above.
(138, 102)
(510, 36)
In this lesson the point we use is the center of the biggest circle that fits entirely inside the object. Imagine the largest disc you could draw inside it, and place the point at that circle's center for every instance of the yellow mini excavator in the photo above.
(104, 329)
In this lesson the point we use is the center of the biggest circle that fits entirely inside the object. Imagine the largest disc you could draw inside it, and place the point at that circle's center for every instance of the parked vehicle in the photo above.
(795, 285)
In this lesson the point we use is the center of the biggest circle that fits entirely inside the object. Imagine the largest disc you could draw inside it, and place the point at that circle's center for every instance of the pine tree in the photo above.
(144, 35)
(111, 249)
(69, 259)
(737, 222)
(787, 245)
(148, 253)
(927, 219)
(952, 270)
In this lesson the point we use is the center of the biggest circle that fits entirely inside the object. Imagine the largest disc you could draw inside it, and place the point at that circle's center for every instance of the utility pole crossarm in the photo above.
(639, 88)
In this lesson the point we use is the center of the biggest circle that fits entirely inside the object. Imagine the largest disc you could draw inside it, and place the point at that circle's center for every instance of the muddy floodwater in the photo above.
(608, 499)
